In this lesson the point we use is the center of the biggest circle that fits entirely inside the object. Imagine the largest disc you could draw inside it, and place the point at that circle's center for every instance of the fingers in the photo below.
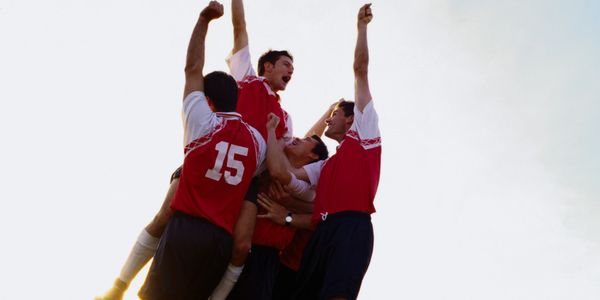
(272, 121)
(265, 201)
(213, 10)
(365, 15)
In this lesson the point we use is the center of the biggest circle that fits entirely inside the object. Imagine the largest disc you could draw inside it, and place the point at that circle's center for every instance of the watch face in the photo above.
(288, 219)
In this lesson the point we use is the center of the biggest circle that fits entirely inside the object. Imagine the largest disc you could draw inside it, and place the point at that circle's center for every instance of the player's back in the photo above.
(218, 167)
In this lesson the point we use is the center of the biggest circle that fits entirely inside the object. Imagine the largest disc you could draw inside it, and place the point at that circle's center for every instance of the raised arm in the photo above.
(362, 94)
(277, 163)
(194, 80)
(319, 127)
(240, 35)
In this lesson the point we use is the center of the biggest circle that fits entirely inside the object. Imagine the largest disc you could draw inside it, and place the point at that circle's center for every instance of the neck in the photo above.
(297, 162)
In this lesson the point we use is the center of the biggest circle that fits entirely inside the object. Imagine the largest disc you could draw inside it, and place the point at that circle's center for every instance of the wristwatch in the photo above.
(289, 219)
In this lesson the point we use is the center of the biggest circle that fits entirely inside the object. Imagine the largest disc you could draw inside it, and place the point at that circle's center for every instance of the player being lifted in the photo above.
(257, 96)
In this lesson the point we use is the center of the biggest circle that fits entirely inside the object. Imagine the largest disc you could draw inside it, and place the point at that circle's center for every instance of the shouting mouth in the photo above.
(286, 78)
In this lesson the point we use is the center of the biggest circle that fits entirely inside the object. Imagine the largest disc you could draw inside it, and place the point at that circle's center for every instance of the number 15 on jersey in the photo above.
(226, 150)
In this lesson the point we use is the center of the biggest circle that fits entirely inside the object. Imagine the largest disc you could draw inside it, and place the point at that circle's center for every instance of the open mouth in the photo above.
(286, 78)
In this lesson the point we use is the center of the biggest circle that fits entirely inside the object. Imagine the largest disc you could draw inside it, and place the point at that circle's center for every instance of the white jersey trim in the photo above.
(365, 127)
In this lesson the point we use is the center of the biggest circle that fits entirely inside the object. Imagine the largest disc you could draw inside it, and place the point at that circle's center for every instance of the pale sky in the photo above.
(489, 113)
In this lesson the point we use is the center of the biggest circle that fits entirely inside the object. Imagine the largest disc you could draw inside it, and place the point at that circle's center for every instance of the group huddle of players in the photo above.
(254, 213)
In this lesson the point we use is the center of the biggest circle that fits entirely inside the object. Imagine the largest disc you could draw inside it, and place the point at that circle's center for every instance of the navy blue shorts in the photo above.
(191, 258)
(284, 283)
(258, 277)
(336, 257)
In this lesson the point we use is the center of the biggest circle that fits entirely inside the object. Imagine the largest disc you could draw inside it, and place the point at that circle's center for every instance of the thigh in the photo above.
(349, 259)
(191, 258)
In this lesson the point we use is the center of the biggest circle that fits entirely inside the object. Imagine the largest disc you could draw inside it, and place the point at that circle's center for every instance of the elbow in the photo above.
(278, 173)
(192, 69)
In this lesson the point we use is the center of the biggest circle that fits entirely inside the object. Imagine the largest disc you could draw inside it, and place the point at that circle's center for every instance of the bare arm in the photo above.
(277, 213)
(240, 35)
(194, 80)
(277, 162)
(362, 94)
(242, 233)
(319, 127)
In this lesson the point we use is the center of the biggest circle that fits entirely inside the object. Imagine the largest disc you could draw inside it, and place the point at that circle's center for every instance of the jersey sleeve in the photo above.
(261, 151)
(300, 189)
(366, 126)
(240, 65)
(314, 171)
(198, 118)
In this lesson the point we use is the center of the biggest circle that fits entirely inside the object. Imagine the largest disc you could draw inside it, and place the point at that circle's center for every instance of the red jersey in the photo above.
(270, 234)
(222, 153)
(292, 254)
(255, 97)
(348, 180)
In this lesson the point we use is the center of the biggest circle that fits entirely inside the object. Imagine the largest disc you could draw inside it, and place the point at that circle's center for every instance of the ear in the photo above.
(268, 67)
(211, 104)
(350, 120)
(313, 156)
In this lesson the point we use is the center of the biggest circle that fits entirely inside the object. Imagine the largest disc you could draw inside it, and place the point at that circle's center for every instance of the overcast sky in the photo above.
(489, 113)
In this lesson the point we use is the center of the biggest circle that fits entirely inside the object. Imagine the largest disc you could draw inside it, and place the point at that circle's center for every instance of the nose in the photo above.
(328, 120)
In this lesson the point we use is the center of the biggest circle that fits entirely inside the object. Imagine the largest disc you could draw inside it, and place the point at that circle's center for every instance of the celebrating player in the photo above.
(339, 251)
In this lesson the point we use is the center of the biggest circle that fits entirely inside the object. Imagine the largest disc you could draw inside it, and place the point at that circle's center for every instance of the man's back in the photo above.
(218, 167)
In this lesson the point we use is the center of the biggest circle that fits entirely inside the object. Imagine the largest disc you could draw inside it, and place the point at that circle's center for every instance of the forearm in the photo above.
(319, 127)
(298, 206)
(302, 221)
(238, 19)
(362, 94)
(361, 52)
(277, 163)
(195, 58)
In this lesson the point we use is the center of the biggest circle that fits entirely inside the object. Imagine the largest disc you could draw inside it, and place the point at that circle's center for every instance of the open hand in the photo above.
(275, 212)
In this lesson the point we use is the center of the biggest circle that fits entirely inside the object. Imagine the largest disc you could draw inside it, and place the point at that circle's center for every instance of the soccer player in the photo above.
(339, 251)
(257, 96)
(222, 153)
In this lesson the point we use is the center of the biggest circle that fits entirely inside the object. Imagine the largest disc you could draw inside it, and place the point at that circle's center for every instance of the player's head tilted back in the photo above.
(277, 67)
(340, 120)
(221, 90)
(306, 150)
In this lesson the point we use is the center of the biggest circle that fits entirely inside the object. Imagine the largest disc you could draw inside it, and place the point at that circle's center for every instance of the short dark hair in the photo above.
(222, 90)
(320, 148)
(347, 107)
(271, 56)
